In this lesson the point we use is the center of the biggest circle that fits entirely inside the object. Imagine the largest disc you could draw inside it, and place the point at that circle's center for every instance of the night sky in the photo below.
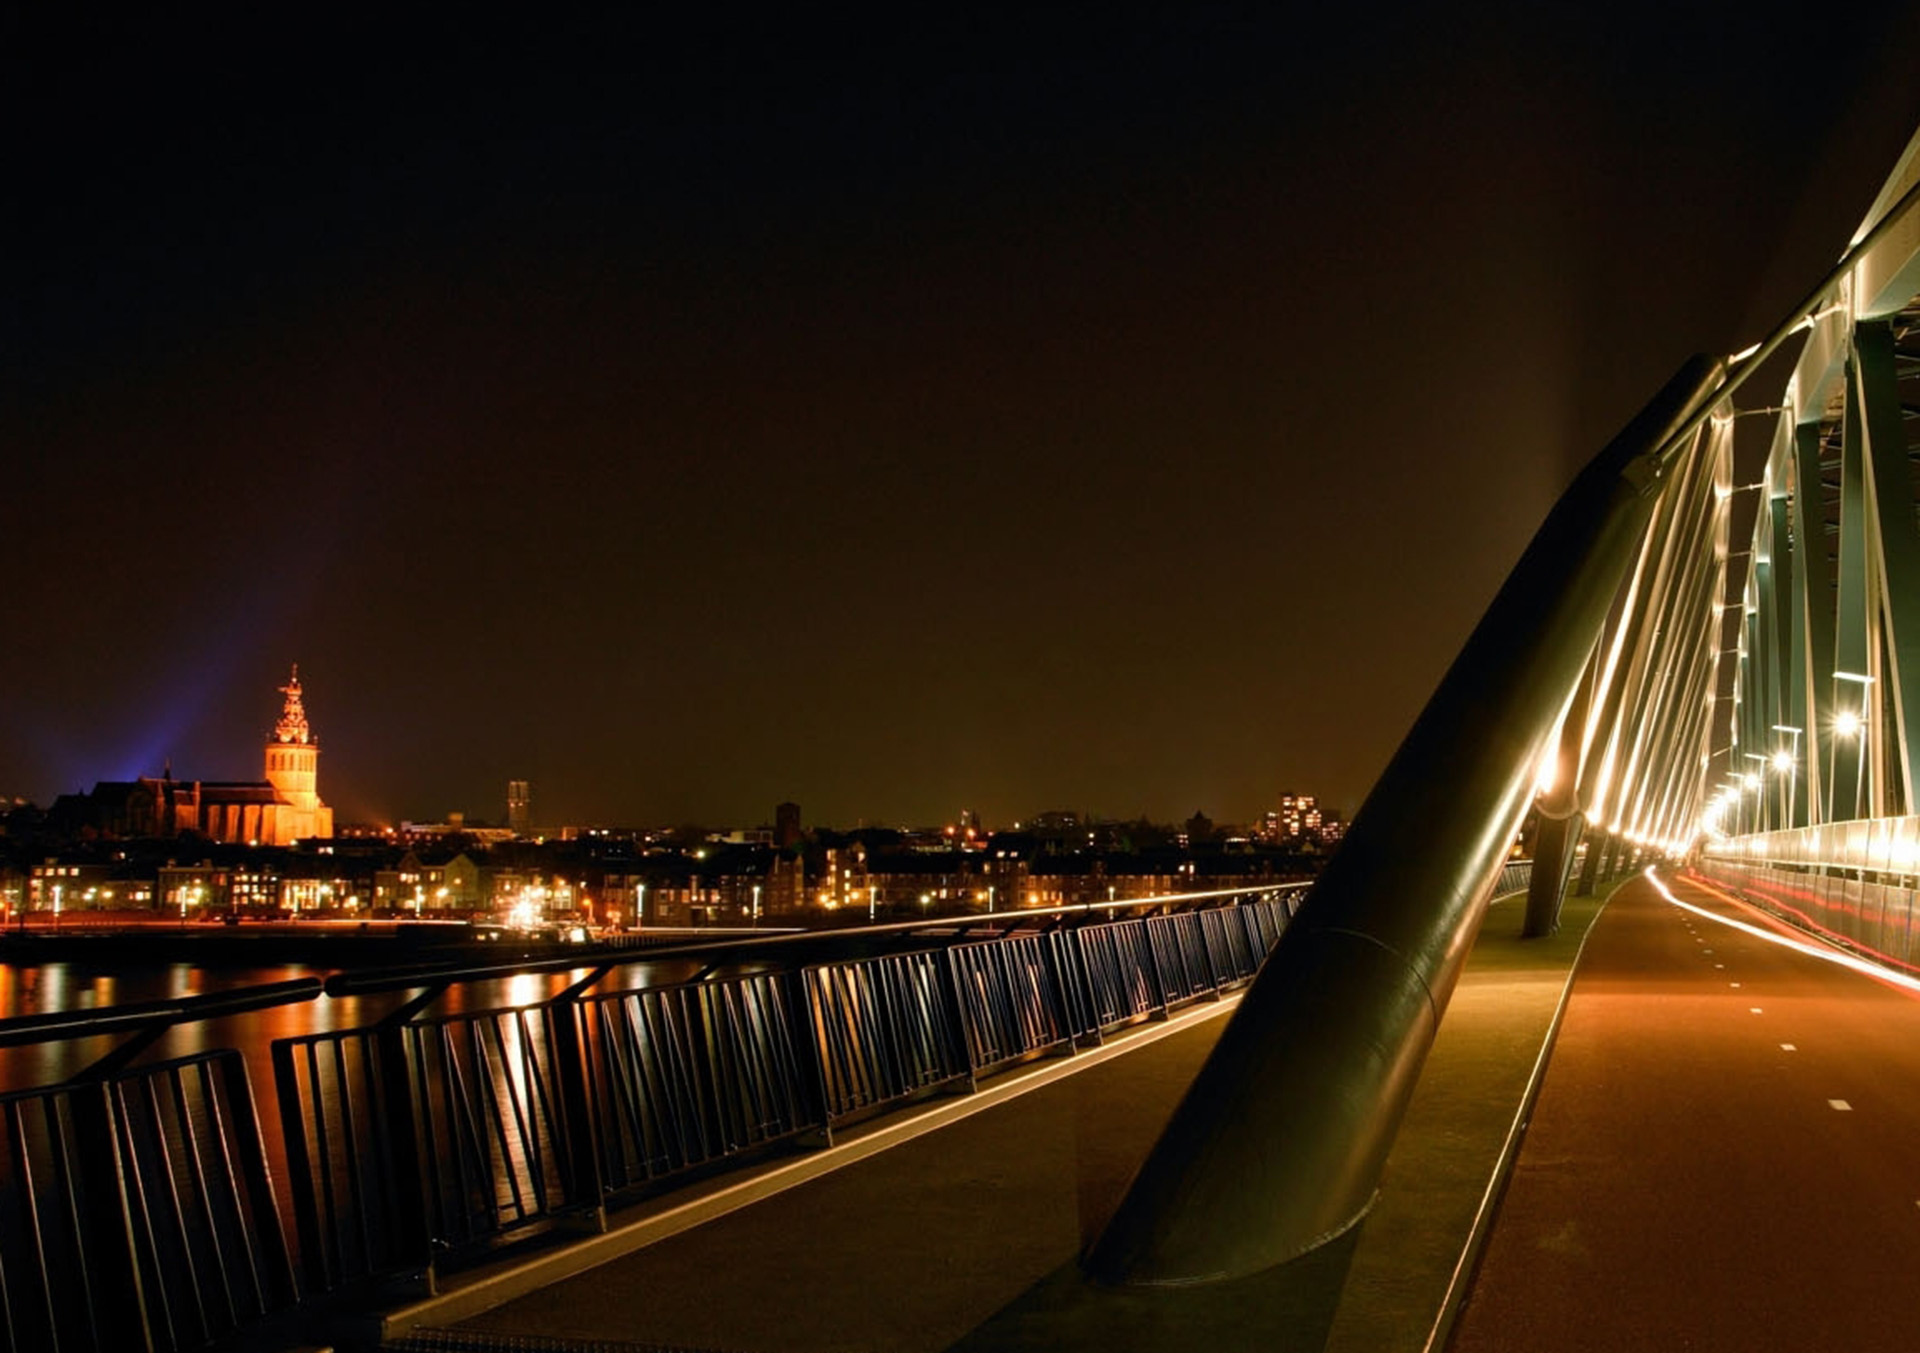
(1127, 414)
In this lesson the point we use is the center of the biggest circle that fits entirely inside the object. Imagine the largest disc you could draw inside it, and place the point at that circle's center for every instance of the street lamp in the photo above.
(1789, 761)
(756, 905)
(1848, 723)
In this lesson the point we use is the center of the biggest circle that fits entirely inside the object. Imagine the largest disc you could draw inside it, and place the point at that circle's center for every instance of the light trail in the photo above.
(1845, 960)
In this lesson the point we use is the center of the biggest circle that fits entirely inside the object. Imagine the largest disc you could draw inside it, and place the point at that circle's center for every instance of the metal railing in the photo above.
(1515, 876)
(422, 1139)
(1856, 884)
(137, 1208)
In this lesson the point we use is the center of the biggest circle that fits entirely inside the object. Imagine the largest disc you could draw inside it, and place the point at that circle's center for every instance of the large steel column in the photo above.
(1278, 1145)
(1851, 649)
(1813, 599)
(1597, 845)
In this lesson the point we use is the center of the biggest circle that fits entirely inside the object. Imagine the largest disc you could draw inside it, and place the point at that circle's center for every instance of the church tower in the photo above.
(293, 763)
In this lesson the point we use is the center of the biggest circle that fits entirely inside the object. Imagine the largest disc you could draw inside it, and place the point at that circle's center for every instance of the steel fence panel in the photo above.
(1121, 982)
(681, 1076)
(883, 1029)
(1180, 955)
(1009, 1004)
(137, 1213)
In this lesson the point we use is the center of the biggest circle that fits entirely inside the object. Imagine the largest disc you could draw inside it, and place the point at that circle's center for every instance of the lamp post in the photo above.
(756, 906)
(1848, 723)
(1788, 760)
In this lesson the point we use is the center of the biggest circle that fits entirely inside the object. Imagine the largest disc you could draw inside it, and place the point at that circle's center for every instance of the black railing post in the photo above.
(1062, 1005)
(1070, 951)
(97, 1184)
(962, 1024)
(580, 1172)
(411, 1218)
(805, 1027)
(1164, 1000)
(306, 1214)
(234, 1094)
(1199, 919)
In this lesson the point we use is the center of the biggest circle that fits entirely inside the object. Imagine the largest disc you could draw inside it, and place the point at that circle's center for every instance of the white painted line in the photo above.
(1840, 1106)
(1788, 1047)
(1845, 960)
(1733, 984)
(1720, 967)
(1756, 1009)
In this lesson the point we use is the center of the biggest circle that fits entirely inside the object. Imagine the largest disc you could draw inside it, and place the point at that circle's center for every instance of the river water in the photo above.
(42, 988)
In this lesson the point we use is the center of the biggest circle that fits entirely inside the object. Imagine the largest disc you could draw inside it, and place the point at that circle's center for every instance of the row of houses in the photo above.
(709, 886)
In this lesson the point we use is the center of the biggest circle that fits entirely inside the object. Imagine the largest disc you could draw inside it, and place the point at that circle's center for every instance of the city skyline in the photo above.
(1132, 417)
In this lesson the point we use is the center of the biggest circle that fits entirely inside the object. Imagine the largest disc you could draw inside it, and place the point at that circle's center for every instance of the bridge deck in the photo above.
(1723, 1155)
(915, 1246)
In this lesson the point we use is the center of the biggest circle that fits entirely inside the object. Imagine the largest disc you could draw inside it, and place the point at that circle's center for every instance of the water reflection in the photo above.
(45, 988)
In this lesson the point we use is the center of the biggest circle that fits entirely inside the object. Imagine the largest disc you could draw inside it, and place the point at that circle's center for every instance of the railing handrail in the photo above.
(20, 1030)
(396, 979)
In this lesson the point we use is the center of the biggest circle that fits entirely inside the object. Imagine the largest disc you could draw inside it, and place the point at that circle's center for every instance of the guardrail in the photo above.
(1854, 883)
(136, 1210)
(136, 1205)
(1516, 876)
(421, 1139)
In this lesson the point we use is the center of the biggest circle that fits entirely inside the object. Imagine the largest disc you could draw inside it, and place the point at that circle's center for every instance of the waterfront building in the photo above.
(277, 810)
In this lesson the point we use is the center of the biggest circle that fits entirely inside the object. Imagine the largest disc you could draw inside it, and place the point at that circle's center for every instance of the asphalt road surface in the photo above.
(1725, 1153)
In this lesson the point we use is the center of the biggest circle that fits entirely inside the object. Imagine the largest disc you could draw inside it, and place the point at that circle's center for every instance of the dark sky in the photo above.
(1130, 414)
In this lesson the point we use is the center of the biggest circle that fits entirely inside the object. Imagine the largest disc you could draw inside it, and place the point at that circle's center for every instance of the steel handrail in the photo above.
(21, 1030)
(396, 979)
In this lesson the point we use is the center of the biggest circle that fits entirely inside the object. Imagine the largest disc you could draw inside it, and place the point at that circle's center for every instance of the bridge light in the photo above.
(1782, 761)
(1846, 724)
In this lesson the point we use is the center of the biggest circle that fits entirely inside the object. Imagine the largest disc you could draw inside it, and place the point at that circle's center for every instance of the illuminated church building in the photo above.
(283, 808)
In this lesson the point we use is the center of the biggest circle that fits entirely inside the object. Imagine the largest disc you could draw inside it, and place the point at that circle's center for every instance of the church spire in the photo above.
(293, 716)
